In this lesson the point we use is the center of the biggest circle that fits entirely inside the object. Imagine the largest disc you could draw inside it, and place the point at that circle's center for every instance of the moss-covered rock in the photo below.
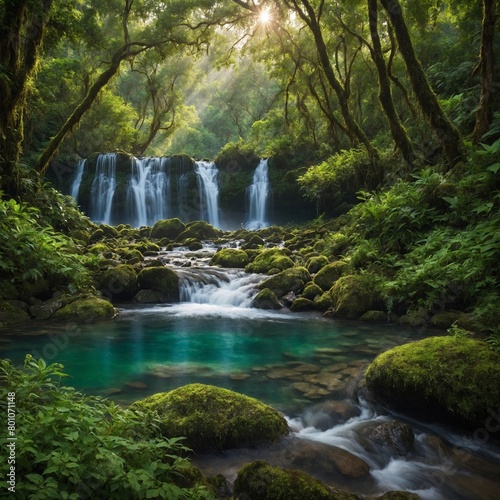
(455, 377)
(262, 481)
(229, 257)
(119, 283)
(302, 304)
(272, 258)
(86, 309)
(289, 280)
(255, 241)
(314, 264)
(167, 228)
(399, 495)
(329, 274)
(446, 319)
(354, 295)
(160, 279)
(212, 418)
(11, 315)
(266, 299)
(311, 291)
(199, 229)
(374, 316)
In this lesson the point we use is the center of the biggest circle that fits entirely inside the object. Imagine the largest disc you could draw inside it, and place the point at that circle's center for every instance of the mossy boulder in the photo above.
(229, 257)
(353, 295)
(289, 280)
(272, 258)
(253, 242)
(324, 302)
(262, 481)
(160, 279)
(266, 299)
(311, 291)
(329, 274)
(119, 283)
(213, 418)
(399, 495)
(455, 377)
(199, 229)
(11, 315)
(86, 309)
(446, 319)
(315, 263)
(374, 316)
(302, 304)
(167, 228)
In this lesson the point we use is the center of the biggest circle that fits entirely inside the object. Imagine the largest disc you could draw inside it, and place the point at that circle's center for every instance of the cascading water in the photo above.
(148, 191)
(209, 191)
(77, 180)
(258, 194)
(103, 188)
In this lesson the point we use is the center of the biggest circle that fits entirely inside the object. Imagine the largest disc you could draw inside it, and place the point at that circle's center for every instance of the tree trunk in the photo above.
(398, 132)
(447, 133)
(487, 67)
(21, 31)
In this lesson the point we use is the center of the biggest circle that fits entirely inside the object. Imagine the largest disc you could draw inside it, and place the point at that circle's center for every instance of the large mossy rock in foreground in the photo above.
(454, 377)
(230, 257)
(262, 481)
(160, 279)
(212, 418)
(272, 259)
(86, 309)
(289, 280)
(167, 228)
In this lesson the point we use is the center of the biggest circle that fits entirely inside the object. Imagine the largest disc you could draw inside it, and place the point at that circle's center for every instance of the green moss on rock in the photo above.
(213, 418)
(456, 377)
(273, 258)
(167, 228)
(119, 283)
(230, 257)
(160, 279)
(289, 280)
(266, 299)
(324, 302)
(315, 263)
(329, 274)
(86, 309)
(311, 291)
(302, 304)
(11, 315)
(262, 481)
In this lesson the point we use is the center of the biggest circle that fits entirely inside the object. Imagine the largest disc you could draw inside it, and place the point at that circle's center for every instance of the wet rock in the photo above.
(265, 261)
(314, 264)
(290, 280)
(119, 283)
(150, 297)
(329, 380)
(374, 317)
(310, 391)
(326, 415)
(136, 385)
(281, 373)
(302, 304)
(86, 308)
(169, 228)
(395, 435)
(307, 368)
(239, 376)
(399, 495)
(160, 279)
(11, 315)
(311, 291)
(329, 274)
(229, 258)
(445, 319)
(45, 310)
(266, 299)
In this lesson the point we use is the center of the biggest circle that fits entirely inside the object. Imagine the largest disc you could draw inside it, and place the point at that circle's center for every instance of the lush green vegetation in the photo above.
(73, 446)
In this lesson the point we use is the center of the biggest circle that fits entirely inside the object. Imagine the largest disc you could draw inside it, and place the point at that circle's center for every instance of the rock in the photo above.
(212, 418)
(415, 317)
(311, 291)
(11, 315)
(310, 391)
(445, 319)
(326, 415)
(354, 295)
(86, 308)
(45, 310)
(160, 279)
(254, 242)
(119, 283)
(399, 495)
(314, 264)
(262, 481)
(273, 258)
(458, 378)
(324, 302)
(281, 373)
(329, 274)
(167, 228)
(397, 436)
(289, 280)
(374, 317)
(329, 380)
(136, 385)
(302, 304)
(287, 300)
(199, 229)
(151, 297)
(230, 257)
(266, 299)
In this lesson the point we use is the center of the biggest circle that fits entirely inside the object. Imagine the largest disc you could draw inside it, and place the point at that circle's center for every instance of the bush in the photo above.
(74, 446)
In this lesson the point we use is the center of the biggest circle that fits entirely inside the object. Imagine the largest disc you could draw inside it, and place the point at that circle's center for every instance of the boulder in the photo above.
(160, 279)
(399, 495)
(262, 481)
(353, 295)
(167, 228)
(87, 309)
(446, 319)
(212, 418)
(456, 378)
(230, 257)
(151, 297)
(252, 243)
(266, 299)
(374, 316)
(272, 258)
(119, 283)
(394, 435)
(45, 310)
(329, 274)
(311, 291)
(289, 280)
(11, 315)
(323, 302)
(200, 230)
(314, 264)
(302, 304)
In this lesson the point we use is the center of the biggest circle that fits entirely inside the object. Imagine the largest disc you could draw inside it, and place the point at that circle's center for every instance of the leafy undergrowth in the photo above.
(74, 446)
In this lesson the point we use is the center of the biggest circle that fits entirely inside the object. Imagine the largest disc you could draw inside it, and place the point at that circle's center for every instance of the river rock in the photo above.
(290, 280)
(266, 299)
(229, 257)
(119, 283)
(150, 297)
(315, 263)
(329, 274)
(329, 380)
(302, 304)
(395, 435)
(326, 415)
(400, 495)
(46, 309)
(10, 315)
(310, 391)
(281, 373)
(160, 279)
(86, 308)
(169, 228)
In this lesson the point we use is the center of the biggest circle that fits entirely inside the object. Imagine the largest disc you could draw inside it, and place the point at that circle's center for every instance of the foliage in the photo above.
(30, 249)
(74, 446)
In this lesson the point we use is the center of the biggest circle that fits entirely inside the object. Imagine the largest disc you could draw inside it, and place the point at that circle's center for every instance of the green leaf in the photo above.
(494, 168)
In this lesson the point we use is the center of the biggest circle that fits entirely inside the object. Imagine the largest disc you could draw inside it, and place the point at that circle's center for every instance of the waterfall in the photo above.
(103, 188)
(77, 180)
(258, 194)
(148, 191)
(209, 191)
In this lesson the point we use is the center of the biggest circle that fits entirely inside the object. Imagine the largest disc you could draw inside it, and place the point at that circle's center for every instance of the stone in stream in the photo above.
(239, 376)
(307, 368)
(329, 380)
(281, 373)
(136, 385)
(310, 391)
(393, 435)
(326, 415)
(335, 367)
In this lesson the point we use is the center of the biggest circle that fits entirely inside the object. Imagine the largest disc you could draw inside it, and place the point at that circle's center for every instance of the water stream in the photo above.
(103, 188)
(304, 365)
(209, 191)
(258, 194)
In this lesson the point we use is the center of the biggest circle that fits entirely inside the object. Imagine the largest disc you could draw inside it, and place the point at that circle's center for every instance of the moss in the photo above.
(329, 274)
(199, 229)
(160, 279)
(195, 245)
(457, 377)
(399, 495)
(374, 316)
(311, 291)
(254, 242)
(100, 249)
(354, 295)
(315, 263)
(97, 235)
(212, 418)
(324, 302)
(230, 257)
(11, 315)
(119, 283)
(273, 258)
(167, 228)
(87, 309)
(289, 280)
(302, 304)
(446, 319)
(266, 299)
(131, 253)
(109, 231)
(262, 481)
